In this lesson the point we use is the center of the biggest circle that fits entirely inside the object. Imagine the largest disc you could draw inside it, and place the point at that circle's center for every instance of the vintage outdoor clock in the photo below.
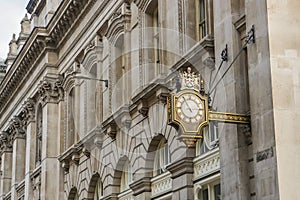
(188, 108)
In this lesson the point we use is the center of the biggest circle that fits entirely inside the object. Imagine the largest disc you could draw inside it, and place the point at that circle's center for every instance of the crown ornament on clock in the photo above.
(191, 80)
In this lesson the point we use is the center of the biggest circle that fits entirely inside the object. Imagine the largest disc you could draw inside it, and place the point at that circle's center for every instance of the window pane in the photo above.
(217, 192)
(202, 10)
(205, 194)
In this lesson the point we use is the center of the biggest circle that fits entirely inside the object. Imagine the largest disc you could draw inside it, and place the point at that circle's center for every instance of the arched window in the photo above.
(152, 42)
(73, 194)
(71, 121)
(95, 190)
(120, 57)
(126, 177)
(120, 70)
(98, 190)
(91, 98)
(39, 134)
(162, 157)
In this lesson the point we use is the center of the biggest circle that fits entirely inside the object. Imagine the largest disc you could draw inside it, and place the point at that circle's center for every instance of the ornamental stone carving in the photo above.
(5, 142)
(51, 90)
(17, 128)
(118, 22)
(28, 111)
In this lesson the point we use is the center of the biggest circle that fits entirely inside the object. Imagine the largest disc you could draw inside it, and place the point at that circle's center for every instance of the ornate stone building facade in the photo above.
(83, 102)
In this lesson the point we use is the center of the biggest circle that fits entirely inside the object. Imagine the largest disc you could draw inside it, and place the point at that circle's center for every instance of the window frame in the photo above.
(161, 158)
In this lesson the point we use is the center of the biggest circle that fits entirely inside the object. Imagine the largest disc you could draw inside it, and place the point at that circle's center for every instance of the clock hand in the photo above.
(187, 104)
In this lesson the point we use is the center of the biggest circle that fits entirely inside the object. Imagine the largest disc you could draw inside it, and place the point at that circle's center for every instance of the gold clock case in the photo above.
(189, 129)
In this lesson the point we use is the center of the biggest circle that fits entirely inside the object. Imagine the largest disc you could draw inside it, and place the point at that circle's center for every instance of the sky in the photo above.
(12, 13)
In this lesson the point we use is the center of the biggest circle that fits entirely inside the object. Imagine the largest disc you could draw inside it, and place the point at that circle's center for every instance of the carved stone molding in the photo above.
(28, 111)
(51, 90)
(140, 186)
(5, 142)
(142, 4)
(180, 167)
(71, 155)
(162, 95)
(17, 128)
(118, 23)
(143, 107)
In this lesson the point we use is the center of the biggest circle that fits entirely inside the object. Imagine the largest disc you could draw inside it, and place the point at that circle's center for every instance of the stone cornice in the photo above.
(206, 45)
(22, 66)
(182, 166)
(84, 146)
(39, 40)
(140, 186)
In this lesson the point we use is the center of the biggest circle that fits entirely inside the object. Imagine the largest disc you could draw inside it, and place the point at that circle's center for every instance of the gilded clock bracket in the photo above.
(228, 117)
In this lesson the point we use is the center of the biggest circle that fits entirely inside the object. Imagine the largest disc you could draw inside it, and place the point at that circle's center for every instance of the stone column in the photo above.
(6, 164)
(182, 174)
(29, 117)
(141, 188)
(18, 157)
(51, 94)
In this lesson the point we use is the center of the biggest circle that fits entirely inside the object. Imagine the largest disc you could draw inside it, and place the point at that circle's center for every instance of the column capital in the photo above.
(28, 111)
(182, 166)
(17, 128)
(51, 89)
(5, 142)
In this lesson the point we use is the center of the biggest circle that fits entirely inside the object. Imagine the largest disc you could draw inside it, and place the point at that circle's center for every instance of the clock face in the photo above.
(190, 108)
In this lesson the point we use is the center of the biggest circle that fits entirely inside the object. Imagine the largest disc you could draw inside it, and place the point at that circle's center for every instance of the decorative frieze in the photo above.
(161, 184)
(207, 164)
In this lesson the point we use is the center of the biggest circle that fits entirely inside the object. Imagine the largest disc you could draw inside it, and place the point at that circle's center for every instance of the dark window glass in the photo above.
(205, 194)
(217, 192)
